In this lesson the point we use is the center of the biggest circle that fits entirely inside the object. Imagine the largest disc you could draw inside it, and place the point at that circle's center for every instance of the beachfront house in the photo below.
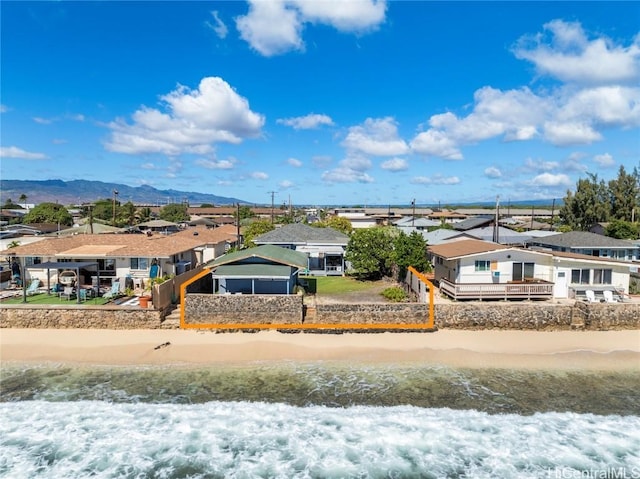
(265, 269)
(591, 244)
(324, 247)
(114, 257)
(475, 269)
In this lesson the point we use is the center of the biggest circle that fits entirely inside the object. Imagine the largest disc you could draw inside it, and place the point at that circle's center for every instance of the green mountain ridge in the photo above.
(83, 191)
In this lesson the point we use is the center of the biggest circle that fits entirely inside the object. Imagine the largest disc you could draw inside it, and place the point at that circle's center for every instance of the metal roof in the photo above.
(457, 249)
(272, 253)
(301, 233)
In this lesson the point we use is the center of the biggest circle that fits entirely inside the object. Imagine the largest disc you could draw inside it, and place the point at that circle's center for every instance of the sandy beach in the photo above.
(593, 350)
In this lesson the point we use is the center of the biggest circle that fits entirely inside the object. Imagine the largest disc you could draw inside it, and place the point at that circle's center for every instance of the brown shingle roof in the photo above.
(111, 245)
(456, 249)
(210, 235)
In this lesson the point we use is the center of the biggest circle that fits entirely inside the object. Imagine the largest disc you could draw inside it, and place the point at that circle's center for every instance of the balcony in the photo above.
(537, 289)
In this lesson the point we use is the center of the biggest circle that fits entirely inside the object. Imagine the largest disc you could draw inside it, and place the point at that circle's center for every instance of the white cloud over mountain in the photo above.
(190, 121)
(19, 153)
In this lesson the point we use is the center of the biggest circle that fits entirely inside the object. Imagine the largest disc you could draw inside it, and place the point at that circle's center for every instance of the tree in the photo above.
(103, 209)
(370, 252)
(339, 223)
(590, 204)
(410, 250)
(128, 213)
(48, 213)
(243, 212)
(622, 229)
(256, 229)
(23, 198)
(143, 214)
(624, 194)
(175, 212)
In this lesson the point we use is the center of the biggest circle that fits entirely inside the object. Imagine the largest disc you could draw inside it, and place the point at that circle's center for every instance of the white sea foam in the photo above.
(40, 439)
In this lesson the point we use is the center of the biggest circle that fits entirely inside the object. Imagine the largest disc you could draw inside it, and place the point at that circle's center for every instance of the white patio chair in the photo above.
(591, 296)
(608, 296)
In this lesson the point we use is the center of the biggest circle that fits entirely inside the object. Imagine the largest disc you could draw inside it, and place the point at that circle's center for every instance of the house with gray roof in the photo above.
(591, 244)
(266, 269)
(324, 247)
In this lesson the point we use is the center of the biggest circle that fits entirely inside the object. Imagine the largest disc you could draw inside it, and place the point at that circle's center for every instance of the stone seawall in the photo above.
(79, 317)
(371, 313)
(243, 308)
(288, 310)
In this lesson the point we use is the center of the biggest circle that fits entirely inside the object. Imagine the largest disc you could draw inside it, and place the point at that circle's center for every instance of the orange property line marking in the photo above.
(204, 272)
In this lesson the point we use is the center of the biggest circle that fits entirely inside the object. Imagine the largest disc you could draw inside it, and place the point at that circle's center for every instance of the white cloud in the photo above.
(286, 184)
(492, 172)
(213, 164)
(605, 105)
(346, 175)
(437, 179)
(565, 52)
(294, 162)
(19, 153)
(605, 160)
(59, 141)
(148, 166)
(4, 108)
(259, 175)
(357, 163)
(395, 164)
(218, 25)
(549, 179)
(194, 120)
(42, 121)
(540, 165)
(275, 27)
(570, 133)
(307, 122)
(378, 137)
(436, 143)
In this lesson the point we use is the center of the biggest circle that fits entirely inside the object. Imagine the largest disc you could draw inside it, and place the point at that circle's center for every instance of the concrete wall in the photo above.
(95, 317)
(242, 308)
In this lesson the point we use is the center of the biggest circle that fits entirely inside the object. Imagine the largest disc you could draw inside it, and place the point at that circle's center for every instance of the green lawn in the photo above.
(44, 298)
(336, 284)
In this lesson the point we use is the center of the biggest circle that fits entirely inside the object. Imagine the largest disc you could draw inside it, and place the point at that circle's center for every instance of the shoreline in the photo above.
(564, 350)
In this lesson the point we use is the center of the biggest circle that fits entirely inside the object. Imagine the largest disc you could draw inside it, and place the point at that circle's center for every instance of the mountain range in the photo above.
(83, 191)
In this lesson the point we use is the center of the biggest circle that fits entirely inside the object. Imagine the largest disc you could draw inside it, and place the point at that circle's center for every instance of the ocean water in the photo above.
(317, 420)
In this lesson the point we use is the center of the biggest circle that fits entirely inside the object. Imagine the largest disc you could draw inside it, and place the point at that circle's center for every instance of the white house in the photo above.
(475, 269)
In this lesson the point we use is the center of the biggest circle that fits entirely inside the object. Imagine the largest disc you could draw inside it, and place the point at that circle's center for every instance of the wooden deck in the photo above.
(537, 290)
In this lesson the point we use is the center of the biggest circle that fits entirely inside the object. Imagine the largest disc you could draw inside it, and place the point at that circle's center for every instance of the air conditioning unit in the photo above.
(496, 274)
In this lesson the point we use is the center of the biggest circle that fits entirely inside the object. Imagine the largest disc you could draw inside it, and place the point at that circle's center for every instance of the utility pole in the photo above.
(238, 225)
(115, 195)
(272, 195)
(413, 216)
(553, 209)
(496, 231)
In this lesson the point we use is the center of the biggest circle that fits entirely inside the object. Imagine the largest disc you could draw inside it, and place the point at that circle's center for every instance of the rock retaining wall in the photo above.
(243, 308)
(79, 317)
(274, 309)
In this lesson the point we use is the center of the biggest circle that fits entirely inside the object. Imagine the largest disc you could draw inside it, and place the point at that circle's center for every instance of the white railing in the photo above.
(537, 290)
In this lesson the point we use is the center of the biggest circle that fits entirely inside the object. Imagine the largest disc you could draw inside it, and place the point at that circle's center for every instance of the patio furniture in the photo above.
(114, 291)
(67, 292)
(33, 287)
(591, 296)
(608, 296)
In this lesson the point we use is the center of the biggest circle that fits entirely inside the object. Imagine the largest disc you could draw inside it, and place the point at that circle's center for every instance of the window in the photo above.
(580, 276)
(32, 260)
(601, 276)
(522, 271)
(139, 263)
(482, 265)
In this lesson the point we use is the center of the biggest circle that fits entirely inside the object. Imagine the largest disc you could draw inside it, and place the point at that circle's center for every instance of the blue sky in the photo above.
(323, 102)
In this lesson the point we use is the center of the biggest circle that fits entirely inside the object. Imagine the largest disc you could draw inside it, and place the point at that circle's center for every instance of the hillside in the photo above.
(82, 191)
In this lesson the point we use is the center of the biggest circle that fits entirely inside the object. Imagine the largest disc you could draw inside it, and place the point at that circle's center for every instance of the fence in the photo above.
(167, 293)
(538, 290)
(419, 284)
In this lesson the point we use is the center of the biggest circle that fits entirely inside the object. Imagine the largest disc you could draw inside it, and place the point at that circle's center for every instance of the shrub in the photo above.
(395, 294)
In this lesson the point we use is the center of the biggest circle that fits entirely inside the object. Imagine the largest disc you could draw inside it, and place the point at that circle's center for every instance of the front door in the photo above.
(560, 289)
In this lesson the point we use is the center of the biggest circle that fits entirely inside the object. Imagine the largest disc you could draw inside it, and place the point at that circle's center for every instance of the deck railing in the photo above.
(537, 290)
